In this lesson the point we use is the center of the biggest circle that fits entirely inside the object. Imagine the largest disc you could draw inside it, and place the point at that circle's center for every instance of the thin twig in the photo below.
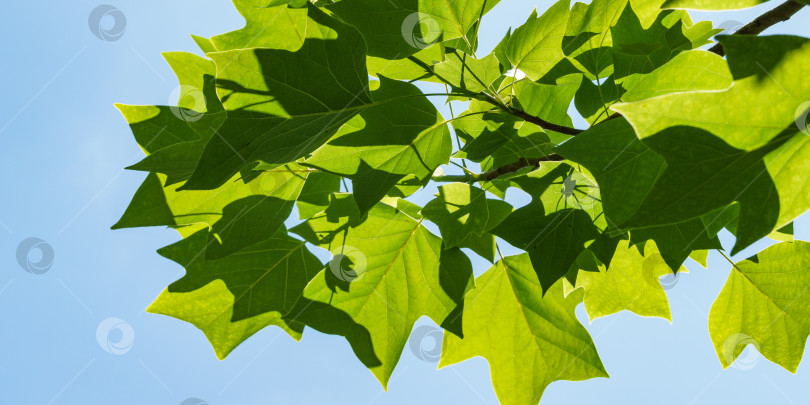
(781, 13)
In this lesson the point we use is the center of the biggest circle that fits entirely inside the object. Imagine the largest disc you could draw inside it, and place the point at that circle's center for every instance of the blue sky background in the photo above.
(62, 150)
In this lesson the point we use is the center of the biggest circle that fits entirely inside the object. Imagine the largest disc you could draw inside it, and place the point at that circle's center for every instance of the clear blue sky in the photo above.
(62, 149)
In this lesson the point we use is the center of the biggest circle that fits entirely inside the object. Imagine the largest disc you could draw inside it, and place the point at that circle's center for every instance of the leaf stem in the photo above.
(779, 14)
(734, 265)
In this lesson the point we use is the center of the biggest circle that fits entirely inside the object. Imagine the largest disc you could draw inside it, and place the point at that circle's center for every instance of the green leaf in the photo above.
(629, 283)
(265, 280)
(692, 70)
(764, 304)
(769, 70)
(156, 127)
(593, 100)
(483, 245)
(399, 28)
(204, 44)
(210, 309)
(417, 141)
(388, 250)
(624, 167)
(457, 279)
(289, 27)
(277, 118)
(410, 68)
(392, 29)
(529, 339)
(262, 204)
(503, 137)
(703, 174)
(677, 241)
(536, 46)
(455, 18)
(552, 229)
(314, 197)
(198, 107)
(464, 72)
(459, 210)
(637, 51)
(549, 102)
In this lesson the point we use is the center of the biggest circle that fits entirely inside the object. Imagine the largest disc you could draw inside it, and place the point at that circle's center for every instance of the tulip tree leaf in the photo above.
(766, 69)
(630, 282)
(387, 250)
(459, 210)
(274, 117)
(508, 321)
(692, 70)
(262, 283)
(536, 46)
(764, 304)
(417, 141)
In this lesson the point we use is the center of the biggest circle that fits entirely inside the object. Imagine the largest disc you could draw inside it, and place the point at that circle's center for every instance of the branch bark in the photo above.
(494, 174)
(779, 14)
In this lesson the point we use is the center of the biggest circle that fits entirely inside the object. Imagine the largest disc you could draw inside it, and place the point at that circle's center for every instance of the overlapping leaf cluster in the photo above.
(308, 98)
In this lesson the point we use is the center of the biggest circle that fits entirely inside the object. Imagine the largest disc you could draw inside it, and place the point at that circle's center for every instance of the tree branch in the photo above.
(494, 174)
(545, 124)
(781, 13)
(510, 110)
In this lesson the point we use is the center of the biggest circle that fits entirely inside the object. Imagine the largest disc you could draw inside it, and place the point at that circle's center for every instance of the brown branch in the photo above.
(510, 110)
(781, 13)
(544, 124)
